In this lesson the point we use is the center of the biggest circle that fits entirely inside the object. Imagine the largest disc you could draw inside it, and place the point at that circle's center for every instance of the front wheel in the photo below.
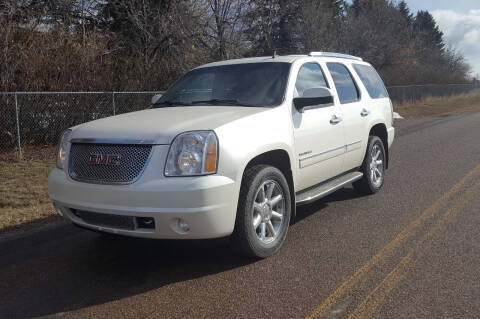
(373, 168)
(263, 213)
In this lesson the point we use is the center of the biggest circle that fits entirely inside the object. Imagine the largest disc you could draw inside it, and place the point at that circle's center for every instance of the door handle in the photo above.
(364, 112)
(335, 120)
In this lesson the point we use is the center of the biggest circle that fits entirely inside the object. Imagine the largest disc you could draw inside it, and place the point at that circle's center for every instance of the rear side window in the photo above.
(344, 83)
(372, 81)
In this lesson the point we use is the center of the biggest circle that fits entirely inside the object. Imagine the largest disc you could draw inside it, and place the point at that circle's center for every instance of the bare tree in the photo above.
(86, 10)
(147, 44)
(321, 25)
(223, 29)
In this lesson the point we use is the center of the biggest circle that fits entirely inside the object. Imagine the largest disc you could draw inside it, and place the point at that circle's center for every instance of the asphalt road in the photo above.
(410, 251)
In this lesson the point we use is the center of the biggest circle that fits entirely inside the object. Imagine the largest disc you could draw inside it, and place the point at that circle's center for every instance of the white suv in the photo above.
(229, 150)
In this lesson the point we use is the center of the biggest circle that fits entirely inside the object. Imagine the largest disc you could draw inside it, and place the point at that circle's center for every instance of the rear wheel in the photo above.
(263, 213)
(373, 168)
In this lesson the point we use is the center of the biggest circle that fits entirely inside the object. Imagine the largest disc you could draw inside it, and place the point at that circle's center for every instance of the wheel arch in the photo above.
(380, 130)
(280, 159)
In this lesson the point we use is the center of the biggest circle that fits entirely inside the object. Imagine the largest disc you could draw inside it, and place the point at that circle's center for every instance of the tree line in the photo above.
(84, 45)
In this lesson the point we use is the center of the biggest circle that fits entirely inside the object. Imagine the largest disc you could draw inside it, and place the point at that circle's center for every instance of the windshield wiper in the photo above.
(170, 103)
(224, 102)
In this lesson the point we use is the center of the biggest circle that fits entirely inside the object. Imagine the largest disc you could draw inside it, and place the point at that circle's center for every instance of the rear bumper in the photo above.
(207, 204)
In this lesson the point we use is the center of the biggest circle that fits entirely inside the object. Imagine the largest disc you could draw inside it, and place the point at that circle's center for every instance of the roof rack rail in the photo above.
(335, 55)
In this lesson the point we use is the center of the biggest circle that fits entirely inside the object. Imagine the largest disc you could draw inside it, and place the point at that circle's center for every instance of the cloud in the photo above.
(462, 32)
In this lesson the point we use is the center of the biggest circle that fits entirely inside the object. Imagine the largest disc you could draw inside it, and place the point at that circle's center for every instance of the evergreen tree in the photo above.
(361, 6)
(405, 12)
(285, 38)
(293, 26)
(427, 31)
(260, 26)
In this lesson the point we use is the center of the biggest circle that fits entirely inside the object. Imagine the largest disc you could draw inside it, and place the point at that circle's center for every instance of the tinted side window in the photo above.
(346, 88)
(309, 76)
(372, 81)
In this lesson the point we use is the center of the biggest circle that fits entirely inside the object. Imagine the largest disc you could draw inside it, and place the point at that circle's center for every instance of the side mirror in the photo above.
(155, 98)
(313, 97)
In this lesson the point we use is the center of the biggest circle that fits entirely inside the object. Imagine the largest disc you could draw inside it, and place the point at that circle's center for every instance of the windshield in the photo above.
(247, 84)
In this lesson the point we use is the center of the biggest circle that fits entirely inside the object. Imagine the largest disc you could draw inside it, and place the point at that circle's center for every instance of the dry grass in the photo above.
(24, 198)
(440, 107)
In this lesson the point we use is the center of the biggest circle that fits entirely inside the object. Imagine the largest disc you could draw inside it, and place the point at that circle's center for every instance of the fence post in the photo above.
(18, 128)
(113, 103)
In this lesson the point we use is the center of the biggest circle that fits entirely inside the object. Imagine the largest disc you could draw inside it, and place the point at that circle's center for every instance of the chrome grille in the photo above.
(129, 167)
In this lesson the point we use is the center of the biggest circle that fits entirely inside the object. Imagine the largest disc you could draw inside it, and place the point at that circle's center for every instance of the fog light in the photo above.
(180, 226)
(183, 225)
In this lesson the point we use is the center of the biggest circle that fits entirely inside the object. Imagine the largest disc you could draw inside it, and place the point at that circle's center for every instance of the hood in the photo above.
(163, 124)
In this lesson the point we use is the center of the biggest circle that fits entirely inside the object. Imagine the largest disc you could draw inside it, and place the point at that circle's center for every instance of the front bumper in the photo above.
(207, 204)
(391, 136)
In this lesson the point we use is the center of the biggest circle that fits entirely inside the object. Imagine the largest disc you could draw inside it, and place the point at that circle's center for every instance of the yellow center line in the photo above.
(370, 304)
(362, 273)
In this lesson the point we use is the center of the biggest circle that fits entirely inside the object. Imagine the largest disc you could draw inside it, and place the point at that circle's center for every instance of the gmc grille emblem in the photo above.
(104, 159)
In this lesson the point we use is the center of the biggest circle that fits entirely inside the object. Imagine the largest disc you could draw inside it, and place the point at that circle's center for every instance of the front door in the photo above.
(318, 133)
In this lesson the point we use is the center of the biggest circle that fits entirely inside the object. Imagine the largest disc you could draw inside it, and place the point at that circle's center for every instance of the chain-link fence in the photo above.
(38, 118)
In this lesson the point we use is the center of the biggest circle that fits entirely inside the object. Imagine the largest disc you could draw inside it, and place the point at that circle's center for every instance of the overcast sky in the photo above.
(460, 22)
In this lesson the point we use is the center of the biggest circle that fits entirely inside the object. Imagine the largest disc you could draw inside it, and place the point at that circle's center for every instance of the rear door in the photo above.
(319, 140)
(355, 114)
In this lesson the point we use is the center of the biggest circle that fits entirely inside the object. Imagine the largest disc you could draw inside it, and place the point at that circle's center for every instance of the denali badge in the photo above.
(104, 159)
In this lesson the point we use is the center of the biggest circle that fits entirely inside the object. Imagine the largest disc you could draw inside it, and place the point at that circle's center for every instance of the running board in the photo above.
(316, 192)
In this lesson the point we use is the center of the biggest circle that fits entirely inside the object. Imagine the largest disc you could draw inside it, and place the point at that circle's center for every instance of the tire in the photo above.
(262, 221)
(373, 173)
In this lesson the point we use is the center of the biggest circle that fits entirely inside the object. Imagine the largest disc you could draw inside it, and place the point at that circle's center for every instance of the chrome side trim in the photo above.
(320, 154)
(112, 141)
(357, 142)
(353, 146)
(347, 148)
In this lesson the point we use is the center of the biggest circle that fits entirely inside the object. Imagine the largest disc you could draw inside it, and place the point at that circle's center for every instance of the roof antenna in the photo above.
(274, 54)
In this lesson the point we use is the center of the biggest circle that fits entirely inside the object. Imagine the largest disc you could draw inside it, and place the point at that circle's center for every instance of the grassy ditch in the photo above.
(441, 106)
(24, 201)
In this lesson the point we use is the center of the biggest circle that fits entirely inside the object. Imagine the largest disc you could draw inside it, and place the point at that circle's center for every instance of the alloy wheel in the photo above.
(376, 166)
(268, 209)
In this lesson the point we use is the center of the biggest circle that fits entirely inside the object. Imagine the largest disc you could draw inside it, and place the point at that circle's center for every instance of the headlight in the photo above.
(63, 148)
(192, 153)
